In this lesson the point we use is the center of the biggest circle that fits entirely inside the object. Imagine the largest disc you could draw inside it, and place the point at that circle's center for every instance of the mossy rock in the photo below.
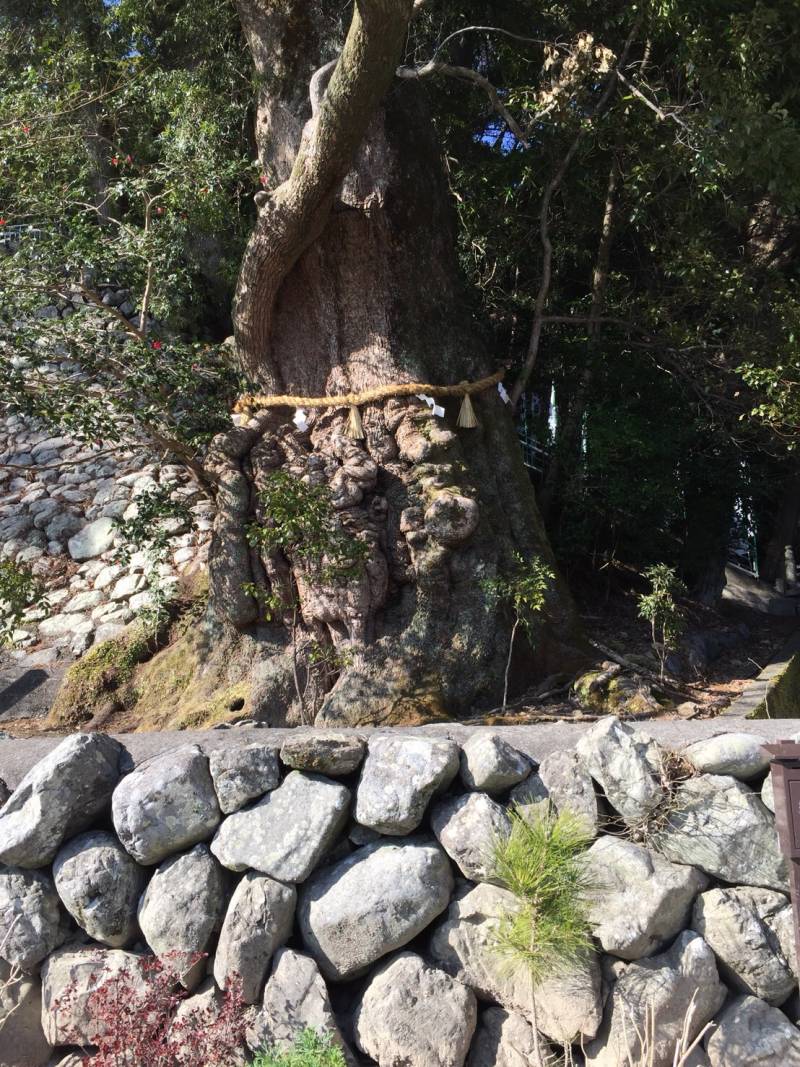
(622, 695)
(586, 695)
(99, 676)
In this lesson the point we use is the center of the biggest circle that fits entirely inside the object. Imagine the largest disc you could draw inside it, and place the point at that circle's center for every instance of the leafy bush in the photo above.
(18, 590)
(302, 523)
(667, 619)
(311, 1049)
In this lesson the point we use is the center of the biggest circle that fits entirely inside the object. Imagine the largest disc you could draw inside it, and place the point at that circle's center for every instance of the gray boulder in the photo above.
(467, 828)
(93, 540)
(490, 764)
(414, 1015)
(258, 921)
(564, 781)
(58, 797)
(505, 1039)
(286, 834)
(243, 772)
(295, 999)
(664, 985)
(62, 527)
(740, 755)
(31, 921)
(399, 777)
(196, 1014)
(768, 794)
(465, 945)
(718, 824)
(373, 902)
(745, 927)
(529, 795)
(100, 885)
(333, 754)
(22, 1040)
(627, 765)
(165, 805)
(642, 900)
(81, 972)
(180, 910)
(750, 1033)
(569, 1004)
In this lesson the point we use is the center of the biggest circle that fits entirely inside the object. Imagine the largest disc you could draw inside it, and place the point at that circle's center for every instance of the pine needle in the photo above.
(540, 863)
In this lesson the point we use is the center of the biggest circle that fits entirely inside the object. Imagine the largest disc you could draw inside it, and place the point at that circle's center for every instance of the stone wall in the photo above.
(349, 884)
(58, 498)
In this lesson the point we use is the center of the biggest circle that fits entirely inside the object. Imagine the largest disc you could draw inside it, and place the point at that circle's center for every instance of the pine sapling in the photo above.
(547, 932)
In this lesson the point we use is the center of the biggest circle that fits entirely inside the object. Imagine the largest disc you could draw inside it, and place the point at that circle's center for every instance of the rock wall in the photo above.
(58, 498)
(349, 885)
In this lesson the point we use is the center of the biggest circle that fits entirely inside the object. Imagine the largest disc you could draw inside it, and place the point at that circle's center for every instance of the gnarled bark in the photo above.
(350, 281)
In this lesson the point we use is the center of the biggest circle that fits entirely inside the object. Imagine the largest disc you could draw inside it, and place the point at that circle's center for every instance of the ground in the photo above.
(610, 619)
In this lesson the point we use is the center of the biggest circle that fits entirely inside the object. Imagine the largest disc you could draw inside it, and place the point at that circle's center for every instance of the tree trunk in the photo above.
(709, 497)
(785, 530)
(567, 458)
(373, 299)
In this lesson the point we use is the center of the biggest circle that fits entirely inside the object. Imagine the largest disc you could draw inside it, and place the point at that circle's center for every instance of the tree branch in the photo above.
(544, 221)
(664, 116)
(492, 29)
(468, 74)
(296, 213)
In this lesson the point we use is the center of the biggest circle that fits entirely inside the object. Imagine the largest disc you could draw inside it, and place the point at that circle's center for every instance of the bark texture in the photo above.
(373, 297)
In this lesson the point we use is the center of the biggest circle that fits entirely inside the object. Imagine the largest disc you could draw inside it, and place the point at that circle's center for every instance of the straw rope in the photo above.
(258, 401)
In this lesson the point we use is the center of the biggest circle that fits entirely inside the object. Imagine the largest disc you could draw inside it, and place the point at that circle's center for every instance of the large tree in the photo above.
(350, 281)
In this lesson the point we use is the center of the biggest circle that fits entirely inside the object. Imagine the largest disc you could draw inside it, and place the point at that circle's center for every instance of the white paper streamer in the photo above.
(436, 409)
(300, 420)
(503, 393)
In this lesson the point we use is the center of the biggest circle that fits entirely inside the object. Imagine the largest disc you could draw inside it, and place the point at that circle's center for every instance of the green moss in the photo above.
(620, 696)
(223, 705)
(782, 697)
(97, 677)
(588, 697)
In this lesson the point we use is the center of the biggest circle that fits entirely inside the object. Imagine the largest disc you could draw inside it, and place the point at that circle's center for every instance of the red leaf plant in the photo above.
(136, 1018)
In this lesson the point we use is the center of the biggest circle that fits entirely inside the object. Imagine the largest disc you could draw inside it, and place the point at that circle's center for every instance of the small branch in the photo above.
(636, 668)
(664, 116)
(494, 29)
(96, 299)
(468, 74)
(508, 661)
(148, 285)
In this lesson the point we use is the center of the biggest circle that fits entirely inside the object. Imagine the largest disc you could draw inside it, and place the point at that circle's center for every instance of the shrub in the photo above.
(525, 591)
(18, 590)
(667, 620)
(311, 1049)
(137, 1020)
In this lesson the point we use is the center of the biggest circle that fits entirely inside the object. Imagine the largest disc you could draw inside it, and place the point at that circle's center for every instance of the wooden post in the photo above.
(785, 769)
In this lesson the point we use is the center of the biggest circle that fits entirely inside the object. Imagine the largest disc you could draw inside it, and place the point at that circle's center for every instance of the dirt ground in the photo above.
(613, 623)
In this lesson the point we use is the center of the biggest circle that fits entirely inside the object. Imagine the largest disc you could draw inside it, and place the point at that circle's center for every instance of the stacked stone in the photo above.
(58, 500)
(349, 885)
